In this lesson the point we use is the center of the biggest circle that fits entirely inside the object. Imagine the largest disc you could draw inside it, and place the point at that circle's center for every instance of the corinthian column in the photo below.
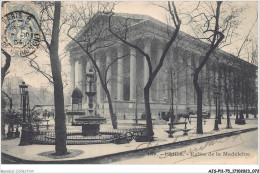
(132, 73)
(72, 73)
(189, 84)
(120, 76)
(182, 77)
(79, 85)
(83, 78)
(98, 84)
(158, 77)
(109, 72)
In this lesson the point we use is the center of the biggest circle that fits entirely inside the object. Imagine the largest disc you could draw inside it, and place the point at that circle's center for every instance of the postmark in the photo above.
(20, 35)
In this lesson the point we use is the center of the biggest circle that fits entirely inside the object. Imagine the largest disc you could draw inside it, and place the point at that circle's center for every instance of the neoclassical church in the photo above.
(127, 70)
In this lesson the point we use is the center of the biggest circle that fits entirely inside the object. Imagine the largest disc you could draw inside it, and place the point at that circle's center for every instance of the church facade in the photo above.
(129, 72)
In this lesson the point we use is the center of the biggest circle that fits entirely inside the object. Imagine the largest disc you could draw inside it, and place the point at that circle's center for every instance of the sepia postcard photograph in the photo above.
(169, 86)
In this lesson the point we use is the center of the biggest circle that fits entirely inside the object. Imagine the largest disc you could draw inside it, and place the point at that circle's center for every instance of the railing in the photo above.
(74, 136)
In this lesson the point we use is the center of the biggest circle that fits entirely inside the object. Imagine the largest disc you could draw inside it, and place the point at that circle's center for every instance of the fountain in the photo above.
(91, 122)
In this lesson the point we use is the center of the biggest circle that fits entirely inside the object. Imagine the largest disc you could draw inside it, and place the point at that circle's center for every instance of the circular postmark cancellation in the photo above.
(20, 35)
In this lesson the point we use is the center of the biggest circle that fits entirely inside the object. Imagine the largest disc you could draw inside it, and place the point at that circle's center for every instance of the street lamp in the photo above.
(216, 95)
(25, 134)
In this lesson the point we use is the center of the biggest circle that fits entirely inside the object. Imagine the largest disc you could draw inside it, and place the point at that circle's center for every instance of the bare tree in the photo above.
(217, 37)
(123, 37)
(4, 69)
(52, 12)
(216, 26)
(226, 71)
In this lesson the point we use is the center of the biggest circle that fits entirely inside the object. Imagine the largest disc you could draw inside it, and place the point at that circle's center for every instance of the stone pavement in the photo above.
(105, 153)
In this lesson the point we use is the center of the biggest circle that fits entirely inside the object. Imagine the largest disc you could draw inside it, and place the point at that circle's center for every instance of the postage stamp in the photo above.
(20, 33)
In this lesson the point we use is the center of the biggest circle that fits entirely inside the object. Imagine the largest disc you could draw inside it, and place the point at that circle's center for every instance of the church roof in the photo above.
(138, 19)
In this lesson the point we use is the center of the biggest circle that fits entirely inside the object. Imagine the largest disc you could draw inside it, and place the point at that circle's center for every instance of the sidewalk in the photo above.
(103, 153)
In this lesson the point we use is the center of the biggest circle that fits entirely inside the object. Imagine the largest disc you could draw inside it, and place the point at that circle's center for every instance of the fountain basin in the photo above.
(90, 124)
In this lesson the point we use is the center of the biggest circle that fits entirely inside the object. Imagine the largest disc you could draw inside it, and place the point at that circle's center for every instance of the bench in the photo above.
(171, 130)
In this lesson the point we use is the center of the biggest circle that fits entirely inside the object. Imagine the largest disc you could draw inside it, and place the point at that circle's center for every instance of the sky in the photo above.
(19, 68)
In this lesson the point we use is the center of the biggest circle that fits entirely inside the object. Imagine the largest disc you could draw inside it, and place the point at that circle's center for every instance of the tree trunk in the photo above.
(172, 100)
(3, 74)
(149, 123)
(3, 117)
(10, 100)
(228, 115)
(227, 100)
(112, 115)
(199, 102)
(60, 126)
(219, 99)
(6, 66)
(172, 110)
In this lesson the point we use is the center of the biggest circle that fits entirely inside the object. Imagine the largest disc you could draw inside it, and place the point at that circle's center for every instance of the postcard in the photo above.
(169, 84)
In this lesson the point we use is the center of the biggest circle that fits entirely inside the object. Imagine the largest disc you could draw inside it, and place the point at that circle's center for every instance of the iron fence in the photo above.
(74, 136)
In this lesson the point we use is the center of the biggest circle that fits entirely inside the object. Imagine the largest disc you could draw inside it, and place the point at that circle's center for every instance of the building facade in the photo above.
(129, 71)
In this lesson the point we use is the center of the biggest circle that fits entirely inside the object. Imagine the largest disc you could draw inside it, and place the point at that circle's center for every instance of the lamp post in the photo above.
(25, 134)
(216, 94)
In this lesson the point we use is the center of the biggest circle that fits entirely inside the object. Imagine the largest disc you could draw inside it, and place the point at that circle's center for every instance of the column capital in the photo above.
(147, 40)
(72, 61)
(83, 59)
(120, 48)
(161, 44)
(132, 51)
(97, 56)
(80, 60)
(108, 52)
